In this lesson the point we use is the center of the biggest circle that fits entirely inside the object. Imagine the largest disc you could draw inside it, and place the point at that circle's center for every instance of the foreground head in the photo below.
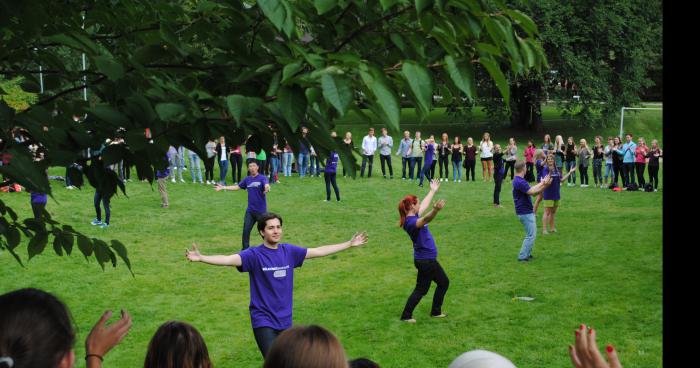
(177, 345)
(497, 148)
(519, 167)
(628, 136)
(551, 163)
(481, 359)
(306, 347)
(35, 330)
(487, 136)
(617, 140)
(407, 206)
(270, 227)
(406, 134)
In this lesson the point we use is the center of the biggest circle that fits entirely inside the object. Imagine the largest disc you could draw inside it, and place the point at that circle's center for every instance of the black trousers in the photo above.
(498, 179)
(236, 161)
(444, 161)
(412, 166)
(209, 168)
(432, 168)
(428, 271)
(617, 170)
(530, 173)
(628, 173)
(469, 165)
(640, 166)
(405, 161)
(366, 158)
(510, 165)
(330, 180)
(584, 174)
(386, 159)
(264, 337)
(105, 203)
(654, 176)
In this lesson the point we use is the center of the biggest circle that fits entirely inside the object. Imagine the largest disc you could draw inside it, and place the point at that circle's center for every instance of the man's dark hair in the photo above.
(266, 217)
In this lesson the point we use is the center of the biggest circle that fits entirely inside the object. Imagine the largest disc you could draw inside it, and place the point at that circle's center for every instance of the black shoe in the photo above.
(530, 257)
(524, 260)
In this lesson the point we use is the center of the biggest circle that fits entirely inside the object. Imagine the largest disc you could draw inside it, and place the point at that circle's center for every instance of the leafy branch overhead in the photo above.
(190, 71)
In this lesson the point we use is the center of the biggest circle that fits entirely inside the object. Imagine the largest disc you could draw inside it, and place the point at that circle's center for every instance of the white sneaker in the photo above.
(459, 181)
(173, 180)
(656, 190)
(182, 180)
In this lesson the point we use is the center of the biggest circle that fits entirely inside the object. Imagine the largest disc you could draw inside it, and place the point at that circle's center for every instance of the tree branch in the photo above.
(367, 26)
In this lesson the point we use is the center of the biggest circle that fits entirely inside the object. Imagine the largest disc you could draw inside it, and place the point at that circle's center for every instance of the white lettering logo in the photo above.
(280, 273)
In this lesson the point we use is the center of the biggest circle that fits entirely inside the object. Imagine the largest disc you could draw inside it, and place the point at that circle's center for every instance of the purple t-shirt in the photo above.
(256, 192)
(271, 274)
(552, 191)
(429, 154)
(332, 163)
(423, 242)
(523, 204)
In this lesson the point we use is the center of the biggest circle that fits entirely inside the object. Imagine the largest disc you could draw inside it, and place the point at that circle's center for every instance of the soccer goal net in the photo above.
(647, 106)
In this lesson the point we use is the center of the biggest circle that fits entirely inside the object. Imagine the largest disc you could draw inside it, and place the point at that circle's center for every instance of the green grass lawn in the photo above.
(603, 268)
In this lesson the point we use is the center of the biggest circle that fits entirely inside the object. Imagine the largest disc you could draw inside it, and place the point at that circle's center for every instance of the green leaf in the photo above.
(524, 21)
(422, 5)
(26, 172)
(85, 245)
(292, 102)
(421, 83)
(275, 11)
(387, 4)
(313, 94)
(290, 70)
(57, 246)
(13, 237)
(337, 90)
(111, 68)
(498, 77)
(66, 241)
(102, 253)
(323, 6)
(37, 243)
(488, 48)
(462, 74)
(168, 111)
(109, 115)
(384, 97)
(120, 249)
(242, 106)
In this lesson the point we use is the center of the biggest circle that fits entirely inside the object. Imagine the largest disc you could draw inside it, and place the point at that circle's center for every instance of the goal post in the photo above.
(622, 115)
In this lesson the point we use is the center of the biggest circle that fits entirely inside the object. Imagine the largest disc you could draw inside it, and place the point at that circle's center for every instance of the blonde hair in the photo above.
(558, 141)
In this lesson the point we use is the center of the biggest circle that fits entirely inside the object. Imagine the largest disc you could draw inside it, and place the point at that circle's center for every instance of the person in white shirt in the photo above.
(386, 143)
(369, 146)
(486, 154)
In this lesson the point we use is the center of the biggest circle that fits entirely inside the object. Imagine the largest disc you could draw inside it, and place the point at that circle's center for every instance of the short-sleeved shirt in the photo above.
(523, 204)
(332, 163)
(423, 242)
(429, 153)
(486, 148)
(271, 274)
(38, 198)
(552, 192)
(255, 185)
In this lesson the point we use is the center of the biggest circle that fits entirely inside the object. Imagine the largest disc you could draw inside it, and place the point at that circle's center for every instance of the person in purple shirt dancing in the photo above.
(270, 267)
(429, 158)
(523, 207)
(257, 187)
(414, 220)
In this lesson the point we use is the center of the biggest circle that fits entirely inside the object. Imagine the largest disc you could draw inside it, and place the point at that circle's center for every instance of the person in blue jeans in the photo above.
(257, 187)
(194, 162)
(270, 267)
(304, 152)
(523, 207)
(414, 219)
(429, 158)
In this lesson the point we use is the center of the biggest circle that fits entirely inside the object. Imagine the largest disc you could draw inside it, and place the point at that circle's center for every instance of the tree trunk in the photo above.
(526, 105)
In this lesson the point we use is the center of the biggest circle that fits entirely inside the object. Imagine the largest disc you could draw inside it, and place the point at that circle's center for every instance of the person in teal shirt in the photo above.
(627, 152)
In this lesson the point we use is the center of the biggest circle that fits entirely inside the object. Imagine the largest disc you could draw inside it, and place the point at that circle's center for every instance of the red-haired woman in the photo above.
(414, 220)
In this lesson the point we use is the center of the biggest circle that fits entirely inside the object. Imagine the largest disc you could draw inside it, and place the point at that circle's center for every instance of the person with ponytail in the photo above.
(414, 219)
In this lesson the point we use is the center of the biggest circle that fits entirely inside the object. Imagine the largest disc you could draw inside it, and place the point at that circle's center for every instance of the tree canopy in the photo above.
(187, 71)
